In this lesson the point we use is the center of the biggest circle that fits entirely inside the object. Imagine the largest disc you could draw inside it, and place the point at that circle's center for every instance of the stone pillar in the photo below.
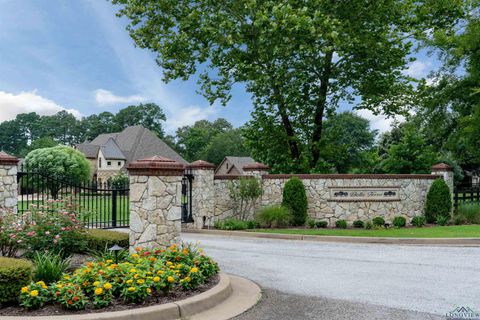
(203, 194)
(8, 184)
(155, 193)
(444, 170)
(256, 169)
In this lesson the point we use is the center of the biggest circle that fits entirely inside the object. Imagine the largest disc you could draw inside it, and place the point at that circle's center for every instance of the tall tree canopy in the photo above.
(298, 59)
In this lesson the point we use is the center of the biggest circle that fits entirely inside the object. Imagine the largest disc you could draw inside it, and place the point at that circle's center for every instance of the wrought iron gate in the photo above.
(100, 205)
(186, 201)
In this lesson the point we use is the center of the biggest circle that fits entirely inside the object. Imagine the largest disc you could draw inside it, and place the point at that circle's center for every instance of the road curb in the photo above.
(189, 308)
(464, 242)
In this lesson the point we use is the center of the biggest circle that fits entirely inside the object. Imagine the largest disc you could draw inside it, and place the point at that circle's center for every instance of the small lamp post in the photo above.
(115, 249)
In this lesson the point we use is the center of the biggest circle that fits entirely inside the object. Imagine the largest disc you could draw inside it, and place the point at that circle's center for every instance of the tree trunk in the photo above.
(320, 108)
(287, 125)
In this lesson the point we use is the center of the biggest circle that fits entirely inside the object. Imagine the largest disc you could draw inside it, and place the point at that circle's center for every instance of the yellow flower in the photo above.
(194, 270)
(159, 272)
(179, 266)
(59, 286)
(136, 276)
(34, 293)
(169, 263)
(96, 283)
(131, 289)
(140, 281)
(149, 290)
(188, 279)
(156, 279)
(98, 291)
(107, 286)
(109, 261)
(133, 270)
(129, 281)
(134, 256)
(66, 277)
(40, 283)
(25, 289)
(170, 279)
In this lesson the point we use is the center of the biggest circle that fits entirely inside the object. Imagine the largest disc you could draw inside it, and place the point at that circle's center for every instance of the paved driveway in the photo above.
(371, 280)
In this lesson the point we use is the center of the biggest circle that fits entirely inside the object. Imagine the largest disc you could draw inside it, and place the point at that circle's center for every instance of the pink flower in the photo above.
(31, 233)
(13, 236)
(57, 236)
(19, 241)
(47, 232)
(55, 241)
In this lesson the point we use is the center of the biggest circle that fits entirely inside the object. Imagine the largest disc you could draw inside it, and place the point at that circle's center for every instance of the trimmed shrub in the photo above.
(378, 221)
(231, 224)
(418, 221)
(368, 225)
(442, 220)
(358, 224)
(273, 217)
(468, 212)
(295, 199)
(439, 201)
(321, 224)
(399, 222)
(98, 239)
(341, 224)
(14, 274)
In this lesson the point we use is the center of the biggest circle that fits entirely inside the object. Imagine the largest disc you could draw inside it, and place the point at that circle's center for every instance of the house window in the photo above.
(100, 162)
(119, 163)
(109, 163)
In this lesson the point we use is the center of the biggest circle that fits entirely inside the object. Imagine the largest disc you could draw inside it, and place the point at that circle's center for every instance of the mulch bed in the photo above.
(117, 304)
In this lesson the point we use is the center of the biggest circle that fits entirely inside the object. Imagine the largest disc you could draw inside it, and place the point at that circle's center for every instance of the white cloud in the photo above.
(379, 122)
(105, 97)
(418, 69)
(187, 116)
(24, 102)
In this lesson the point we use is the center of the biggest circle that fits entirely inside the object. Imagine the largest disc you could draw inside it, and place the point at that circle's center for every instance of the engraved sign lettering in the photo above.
(364, 193)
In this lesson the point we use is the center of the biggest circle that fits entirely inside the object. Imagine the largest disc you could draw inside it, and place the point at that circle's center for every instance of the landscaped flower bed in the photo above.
(144, 278)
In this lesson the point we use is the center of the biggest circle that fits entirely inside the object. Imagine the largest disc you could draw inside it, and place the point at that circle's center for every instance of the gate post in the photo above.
(155, 210)
(203, 196)
(8, 183)
(444, 170)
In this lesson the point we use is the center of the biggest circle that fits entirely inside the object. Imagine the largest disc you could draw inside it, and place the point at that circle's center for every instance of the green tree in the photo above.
(45, 142)
(228, 143)
(299, 60)
(411, 155)
(439, 201)
(295, 199)
(97, 124)
(59, 163)
(148, 115)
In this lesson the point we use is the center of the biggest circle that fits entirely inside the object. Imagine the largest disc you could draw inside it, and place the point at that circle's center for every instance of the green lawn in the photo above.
(467, 231)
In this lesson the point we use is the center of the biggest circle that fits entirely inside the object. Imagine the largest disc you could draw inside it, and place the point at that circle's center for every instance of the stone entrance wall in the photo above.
(331, 197)
(8, 183)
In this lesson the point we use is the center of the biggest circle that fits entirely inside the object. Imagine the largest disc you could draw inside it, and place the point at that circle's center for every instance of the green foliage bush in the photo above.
(378, 221)
(295, 199)
(439, 201)
(442, 220)
(98, 239)
(418, 221)
(310, 223)
(273, 217)
(341, 224)
(244, 193)
(14, 274)
(468, 212)
(321, 224)
(358, 224)
(233, 224)
(49, 267)
(399, 222)
(369, 225)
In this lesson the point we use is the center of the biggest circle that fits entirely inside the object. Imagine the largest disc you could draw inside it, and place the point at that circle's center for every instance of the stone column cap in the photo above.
(441, 167)
(156, 166)
(5, 158)
(201, 164)
(255, 166)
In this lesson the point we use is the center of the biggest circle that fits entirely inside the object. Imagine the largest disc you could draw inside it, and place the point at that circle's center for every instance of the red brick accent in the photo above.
(156, 166)
(7, 159)
(441, 167)
(201, 164)
(351, 176)
(230, 177)
(255, 166)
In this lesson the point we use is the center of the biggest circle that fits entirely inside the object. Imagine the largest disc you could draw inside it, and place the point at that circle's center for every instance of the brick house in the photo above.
(110, 153)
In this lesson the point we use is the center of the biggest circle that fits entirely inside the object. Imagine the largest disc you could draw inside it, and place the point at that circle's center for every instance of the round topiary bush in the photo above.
(378, 221)
(14, 274)
(321, 224)
(439, 201)
(295, 199)
(399, 222)
(341, 224)
(358, 224)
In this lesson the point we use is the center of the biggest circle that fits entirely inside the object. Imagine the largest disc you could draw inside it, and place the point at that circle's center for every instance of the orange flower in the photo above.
(75, 298)
(70, 302)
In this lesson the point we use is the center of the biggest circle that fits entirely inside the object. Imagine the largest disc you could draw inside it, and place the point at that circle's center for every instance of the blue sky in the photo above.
(76, 55)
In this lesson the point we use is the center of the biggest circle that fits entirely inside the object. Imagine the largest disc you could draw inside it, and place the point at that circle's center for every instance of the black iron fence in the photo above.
(100, 205)
(464, 194)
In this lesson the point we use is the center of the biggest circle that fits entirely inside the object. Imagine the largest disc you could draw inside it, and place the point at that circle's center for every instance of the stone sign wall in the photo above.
(8, 184)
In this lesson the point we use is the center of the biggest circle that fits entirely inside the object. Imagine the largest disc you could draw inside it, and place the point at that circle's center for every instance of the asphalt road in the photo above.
(317, 280)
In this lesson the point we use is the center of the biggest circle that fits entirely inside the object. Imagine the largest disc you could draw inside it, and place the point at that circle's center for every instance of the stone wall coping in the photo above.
(340, 176)
(156, 166)
(255, 166)
(5, 158)
(441, 167)
(201, 164)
